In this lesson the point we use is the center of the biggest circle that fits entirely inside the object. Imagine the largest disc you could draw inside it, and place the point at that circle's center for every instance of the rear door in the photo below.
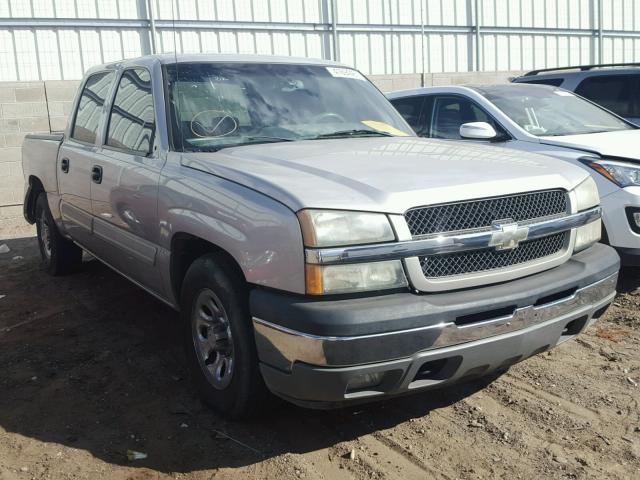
(76, 157)
(124, 189)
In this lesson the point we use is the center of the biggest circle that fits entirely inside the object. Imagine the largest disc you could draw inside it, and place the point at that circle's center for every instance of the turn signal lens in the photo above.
(356, 277)
(587, 235)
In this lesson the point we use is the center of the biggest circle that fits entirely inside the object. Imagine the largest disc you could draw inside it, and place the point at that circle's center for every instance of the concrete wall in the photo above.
(41, 107)
(25, 107)
(388, 83)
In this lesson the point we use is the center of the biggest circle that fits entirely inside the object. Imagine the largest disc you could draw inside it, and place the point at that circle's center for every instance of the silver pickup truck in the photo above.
(314, 246)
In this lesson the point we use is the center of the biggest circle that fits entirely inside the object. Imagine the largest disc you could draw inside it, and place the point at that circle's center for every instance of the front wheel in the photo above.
(59, 255)
(218, 338)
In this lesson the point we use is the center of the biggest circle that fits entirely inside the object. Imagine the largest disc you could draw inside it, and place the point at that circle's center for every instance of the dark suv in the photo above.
(614, 86)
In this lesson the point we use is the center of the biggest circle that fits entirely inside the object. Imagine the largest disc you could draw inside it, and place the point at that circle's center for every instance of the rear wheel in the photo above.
(59, 255)
(218, 338)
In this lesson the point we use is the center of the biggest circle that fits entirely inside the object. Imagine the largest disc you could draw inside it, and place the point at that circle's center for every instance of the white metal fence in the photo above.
(59, 39)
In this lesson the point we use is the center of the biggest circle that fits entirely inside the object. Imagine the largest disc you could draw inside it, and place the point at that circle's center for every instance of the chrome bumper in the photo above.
(281, 347)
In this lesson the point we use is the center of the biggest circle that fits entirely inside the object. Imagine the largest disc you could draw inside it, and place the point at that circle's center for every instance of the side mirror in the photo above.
(477, 131)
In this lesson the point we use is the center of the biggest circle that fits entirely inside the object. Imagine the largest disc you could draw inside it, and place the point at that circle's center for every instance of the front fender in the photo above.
(261, 234)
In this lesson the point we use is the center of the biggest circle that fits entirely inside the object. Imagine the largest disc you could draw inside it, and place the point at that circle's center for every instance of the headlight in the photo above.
(586, 195)
(621, 173)
(587, 235)
(355, 277)
(332, 228)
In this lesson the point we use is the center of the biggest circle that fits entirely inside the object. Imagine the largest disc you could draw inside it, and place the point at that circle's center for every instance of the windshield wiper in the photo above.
(251, 141)
(267, 137)
(352, 133)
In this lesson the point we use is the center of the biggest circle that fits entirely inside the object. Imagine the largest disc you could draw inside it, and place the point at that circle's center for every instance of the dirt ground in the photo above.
(89, 369)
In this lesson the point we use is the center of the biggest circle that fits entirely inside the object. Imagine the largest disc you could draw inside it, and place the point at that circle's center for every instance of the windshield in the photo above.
(547, 111)
(219, 105)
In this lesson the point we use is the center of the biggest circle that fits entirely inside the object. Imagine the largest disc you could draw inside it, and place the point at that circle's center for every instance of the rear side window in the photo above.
(410, 108)
(87, 119)
(132, 122)
(554, 82)
(617, 93)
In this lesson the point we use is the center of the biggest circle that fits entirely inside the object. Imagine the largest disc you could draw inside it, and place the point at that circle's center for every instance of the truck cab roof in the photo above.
(170, 58)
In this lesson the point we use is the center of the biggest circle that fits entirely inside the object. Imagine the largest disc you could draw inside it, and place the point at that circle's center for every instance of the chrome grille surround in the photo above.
(479, 214)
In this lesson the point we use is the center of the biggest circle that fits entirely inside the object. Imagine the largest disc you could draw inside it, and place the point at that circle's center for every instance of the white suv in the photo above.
(546, 120)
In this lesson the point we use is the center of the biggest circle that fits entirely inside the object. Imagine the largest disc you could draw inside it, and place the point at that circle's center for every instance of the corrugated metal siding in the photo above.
(59, 39)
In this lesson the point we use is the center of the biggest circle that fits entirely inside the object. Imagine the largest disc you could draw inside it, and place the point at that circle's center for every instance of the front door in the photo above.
(450, 112)
(124, 192)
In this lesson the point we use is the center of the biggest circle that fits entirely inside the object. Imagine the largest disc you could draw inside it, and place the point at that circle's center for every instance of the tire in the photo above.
(218, 338)
(59, 255)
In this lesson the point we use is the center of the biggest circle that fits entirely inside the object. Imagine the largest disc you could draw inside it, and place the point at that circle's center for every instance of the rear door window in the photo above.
(618, 93)
(87, 118)
(132, 121)
(411, 109)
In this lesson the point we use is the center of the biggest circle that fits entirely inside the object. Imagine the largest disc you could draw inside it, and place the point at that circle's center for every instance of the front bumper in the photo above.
(622, 235)
(323, 353)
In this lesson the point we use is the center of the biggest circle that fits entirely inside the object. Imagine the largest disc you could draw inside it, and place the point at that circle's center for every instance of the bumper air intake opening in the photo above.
(598, 313)
(554, 297)
(574, 327)
(436, 371)
(486, 315)
(373, 383)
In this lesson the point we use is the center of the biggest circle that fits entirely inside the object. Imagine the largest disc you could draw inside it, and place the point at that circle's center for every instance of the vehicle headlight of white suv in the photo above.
(623, 174)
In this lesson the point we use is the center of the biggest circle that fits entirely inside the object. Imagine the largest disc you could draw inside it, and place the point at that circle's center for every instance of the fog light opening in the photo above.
(633, 216)
(574, 327)
(364, 381)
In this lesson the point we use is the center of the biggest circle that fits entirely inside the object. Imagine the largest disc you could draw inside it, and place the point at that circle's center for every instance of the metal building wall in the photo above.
(59, 39)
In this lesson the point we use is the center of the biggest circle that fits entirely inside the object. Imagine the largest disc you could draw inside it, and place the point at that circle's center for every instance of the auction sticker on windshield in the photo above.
(345, 73)
(384, 127)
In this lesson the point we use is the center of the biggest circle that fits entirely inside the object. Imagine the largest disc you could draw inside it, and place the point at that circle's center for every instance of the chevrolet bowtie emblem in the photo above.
(507, 234)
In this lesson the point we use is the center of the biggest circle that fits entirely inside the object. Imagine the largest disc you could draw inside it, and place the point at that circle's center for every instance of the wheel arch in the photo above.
(187, 248)
(34, 188)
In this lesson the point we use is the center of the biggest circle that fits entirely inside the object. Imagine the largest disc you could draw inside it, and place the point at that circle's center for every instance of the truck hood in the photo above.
(387, 174)
(623, 144)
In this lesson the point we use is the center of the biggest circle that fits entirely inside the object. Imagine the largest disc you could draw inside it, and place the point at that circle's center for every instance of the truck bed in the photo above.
(39, 158)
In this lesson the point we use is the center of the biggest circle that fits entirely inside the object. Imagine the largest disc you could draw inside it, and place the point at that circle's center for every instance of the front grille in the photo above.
(479, 214)
(438, 266)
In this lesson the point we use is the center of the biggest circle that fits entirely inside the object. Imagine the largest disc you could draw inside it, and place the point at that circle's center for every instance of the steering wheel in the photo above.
(328, 117)
(213, 123)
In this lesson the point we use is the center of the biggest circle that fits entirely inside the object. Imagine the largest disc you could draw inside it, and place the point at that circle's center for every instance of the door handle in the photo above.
(96, 174)
(64, 165)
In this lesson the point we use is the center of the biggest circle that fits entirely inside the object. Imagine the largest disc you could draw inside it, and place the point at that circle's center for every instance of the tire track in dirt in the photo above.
(561, 446)
(314, 447)
(407, 465)
(538, 394)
